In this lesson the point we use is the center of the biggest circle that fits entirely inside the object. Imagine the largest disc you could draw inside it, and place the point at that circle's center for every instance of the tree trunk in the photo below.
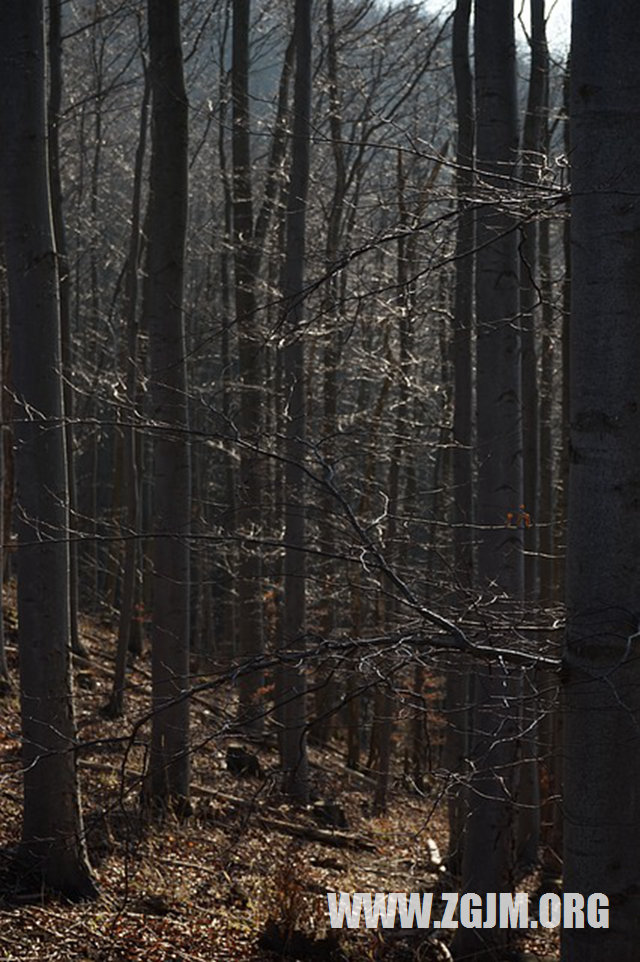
(457, 695)
(227, 643)
(6, 433)
(130, 458)
(533, 146)
(167, 218)
(532, 160)
(55, 98)
(488, 843)
(53, 846)
(249, 507)
(294, 735)
(548, 381)
(327, 694)
(562, 506)
(102, 568)
(602, 671)
(4, 672)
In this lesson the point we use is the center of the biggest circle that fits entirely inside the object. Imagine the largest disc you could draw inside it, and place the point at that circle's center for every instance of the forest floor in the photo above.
(246, 876)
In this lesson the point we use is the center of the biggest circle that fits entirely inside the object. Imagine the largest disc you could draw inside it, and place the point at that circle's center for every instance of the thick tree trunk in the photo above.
(487, 859)
(167, 218)
(53, 846)
(602, 669)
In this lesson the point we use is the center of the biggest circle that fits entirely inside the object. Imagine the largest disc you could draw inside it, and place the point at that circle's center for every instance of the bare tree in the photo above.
(458, 681)
(293, 742)
(53, 846)
(130, 443)
(53, 115)
(249, 508)
(249, 237)
(488, 843)
(601, 678)
(166, 225)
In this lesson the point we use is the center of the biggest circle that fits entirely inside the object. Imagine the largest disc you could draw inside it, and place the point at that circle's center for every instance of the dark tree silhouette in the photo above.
(166, 226)
(602, 669)
(53, 846)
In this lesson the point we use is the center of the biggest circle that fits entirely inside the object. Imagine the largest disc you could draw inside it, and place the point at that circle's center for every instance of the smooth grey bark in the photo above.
(487, 858)
(53, 846)
(294, 735)
(457, 694)
(166, 222)
(601, 678)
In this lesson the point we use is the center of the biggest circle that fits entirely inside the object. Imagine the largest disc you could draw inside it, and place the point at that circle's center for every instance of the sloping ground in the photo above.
(245, 877)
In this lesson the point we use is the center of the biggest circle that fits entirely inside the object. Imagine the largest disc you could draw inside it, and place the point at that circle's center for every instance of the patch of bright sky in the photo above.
(558, 16)
(558, 13)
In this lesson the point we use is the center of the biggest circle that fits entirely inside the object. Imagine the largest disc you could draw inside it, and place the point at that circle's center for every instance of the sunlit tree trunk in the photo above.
(53, 847)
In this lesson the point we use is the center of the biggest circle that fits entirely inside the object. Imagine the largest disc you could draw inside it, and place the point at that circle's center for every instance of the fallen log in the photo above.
(308, 832)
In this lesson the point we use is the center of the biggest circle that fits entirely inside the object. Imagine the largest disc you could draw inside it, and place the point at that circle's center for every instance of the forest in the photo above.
(319, 481)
